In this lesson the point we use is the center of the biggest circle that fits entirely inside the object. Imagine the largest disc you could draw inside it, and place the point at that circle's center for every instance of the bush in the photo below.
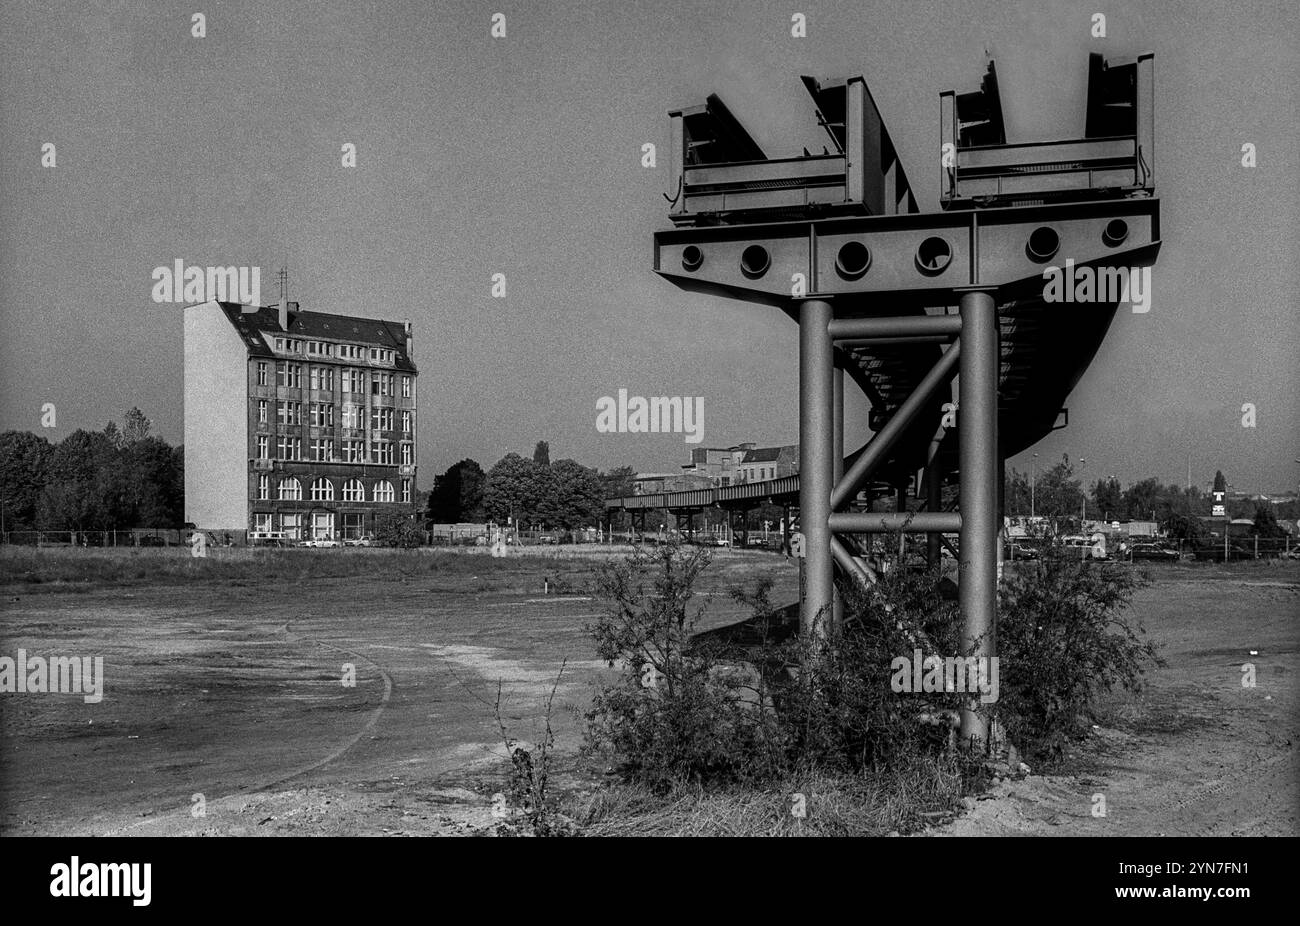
(686, 712)
(674, 714)
(397, 530)
(1062, 642)
(841, 712)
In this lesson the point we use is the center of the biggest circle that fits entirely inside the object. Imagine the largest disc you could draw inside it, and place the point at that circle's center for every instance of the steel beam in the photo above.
(883, 441)
(816, 463)
(899, 326)
(911, 522)
(977, 424)
(851, 565)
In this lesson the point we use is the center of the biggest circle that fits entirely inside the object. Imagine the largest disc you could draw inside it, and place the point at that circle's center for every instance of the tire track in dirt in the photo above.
(267, 784)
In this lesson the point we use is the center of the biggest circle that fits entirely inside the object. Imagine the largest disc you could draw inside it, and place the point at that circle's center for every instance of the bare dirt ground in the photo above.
(1197, 754)
(226, 696)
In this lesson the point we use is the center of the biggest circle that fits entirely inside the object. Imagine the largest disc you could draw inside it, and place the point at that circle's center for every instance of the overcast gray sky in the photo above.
(522, 156)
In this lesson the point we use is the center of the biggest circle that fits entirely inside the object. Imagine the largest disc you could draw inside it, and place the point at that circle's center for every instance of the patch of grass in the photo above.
(843, 805)
(65, 569)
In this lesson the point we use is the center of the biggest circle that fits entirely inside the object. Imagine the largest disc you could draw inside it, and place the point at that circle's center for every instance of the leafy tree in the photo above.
(1266, 522)
(520, 489)
(24, 459)
(1056, 492)
(135, 426)
(458, 494)
(542, 453)
(1016, 496)
(579, 497)
(1142, 498)
(1107, 498)
(1220, 483)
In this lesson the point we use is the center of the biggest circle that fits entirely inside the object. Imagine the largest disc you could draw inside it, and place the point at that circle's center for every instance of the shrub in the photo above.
(1063, 641)
(674, 714)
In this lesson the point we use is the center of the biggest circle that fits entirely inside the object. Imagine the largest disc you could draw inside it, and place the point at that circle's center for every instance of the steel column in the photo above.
(816, 463)
(837, 466)
(978, 451)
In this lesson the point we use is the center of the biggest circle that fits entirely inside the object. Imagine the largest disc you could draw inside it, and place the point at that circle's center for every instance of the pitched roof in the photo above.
(351, 328)
(763, 455)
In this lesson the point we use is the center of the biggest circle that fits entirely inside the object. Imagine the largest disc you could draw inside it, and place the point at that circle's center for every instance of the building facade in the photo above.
(297, 422)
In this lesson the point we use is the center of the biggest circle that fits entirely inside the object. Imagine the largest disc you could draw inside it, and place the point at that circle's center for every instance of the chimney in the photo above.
(284, 313)
(406, 326)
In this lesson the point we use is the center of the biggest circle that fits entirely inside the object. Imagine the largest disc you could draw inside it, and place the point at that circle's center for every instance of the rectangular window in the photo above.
(261, 411)
(406, 491)
(289, 448)
(261, 372)
(262, 444)
(289, 413)
(322, 416)
(406, 387)
(288, 375)
(354, 451)
(352, 417)
(263, 487)
(381, 452)
(262, 522)
(290, 524)
(406, 422)
(322, 449)
(381, 419)
(406, 455)
(381, 383)
(354, 381)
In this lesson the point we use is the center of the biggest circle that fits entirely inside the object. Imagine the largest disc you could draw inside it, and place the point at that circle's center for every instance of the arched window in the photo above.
(322, 490)
(383, 491)
(290, 490)
(354, 491)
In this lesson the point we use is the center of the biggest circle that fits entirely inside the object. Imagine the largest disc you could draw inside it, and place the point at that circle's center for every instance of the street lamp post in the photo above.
(1033, 473)
(1083, 509)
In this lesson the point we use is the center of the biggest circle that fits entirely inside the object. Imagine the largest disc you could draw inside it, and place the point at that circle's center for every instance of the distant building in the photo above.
(747, 462)
(767, 463)
(719, 464)
(296, 422)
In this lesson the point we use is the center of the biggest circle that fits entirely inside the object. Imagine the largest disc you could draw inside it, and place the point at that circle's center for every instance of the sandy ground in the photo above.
(225, 714)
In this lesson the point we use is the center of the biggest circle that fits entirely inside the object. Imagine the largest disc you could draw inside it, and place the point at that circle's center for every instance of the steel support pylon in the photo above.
(816, 464)
(977, 423)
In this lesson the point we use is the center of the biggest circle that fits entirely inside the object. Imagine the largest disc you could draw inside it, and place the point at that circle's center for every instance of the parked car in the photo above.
(357, 542)
(325, 542)
(1153, 551)
(149, 540)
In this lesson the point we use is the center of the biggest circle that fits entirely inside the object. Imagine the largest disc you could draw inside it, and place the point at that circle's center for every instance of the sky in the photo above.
(522, 156)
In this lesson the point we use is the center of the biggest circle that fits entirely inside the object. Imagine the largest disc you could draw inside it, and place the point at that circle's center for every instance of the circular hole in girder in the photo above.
(853, 260)
(1115, 233)
(755, 260)
(1043, 244)
(692, 258)
(933, 256)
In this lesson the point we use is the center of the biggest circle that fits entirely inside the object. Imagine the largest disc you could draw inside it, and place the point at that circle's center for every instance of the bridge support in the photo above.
(978, 452)
(816, 465)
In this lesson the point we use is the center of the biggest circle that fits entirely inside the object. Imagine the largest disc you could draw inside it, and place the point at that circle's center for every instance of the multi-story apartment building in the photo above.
(743, 463)
(301, 422)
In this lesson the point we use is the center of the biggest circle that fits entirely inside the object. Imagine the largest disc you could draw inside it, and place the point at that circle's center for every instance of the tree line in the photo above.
(114, 479)
(1056, 493)
(528, 492)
